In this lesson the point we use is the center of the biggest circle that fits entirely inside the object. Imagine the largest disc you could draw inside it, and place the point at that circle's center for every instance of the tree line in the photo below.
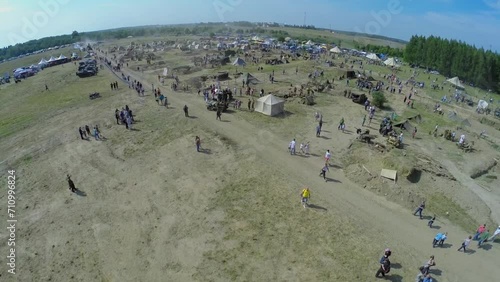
(475, 66)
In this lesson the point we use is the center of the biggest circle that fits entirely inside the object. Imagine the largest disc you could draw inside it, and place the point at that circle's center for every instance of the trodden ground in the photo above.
(154, 209)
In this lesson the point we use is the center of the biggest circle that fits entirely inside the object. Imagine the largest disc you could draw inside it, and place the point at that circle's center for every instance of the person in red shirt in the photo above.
(479, 231)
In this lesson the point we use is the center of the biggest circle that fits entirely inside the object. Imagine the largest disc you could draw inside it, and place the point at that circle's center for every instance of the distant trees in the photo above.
(455, 58)
(387, 50)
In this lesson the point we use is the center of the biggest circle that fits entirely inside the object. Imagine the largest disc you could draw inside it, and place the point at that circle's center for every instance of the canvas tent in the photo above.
(42, 62)
(336, 50)
(270, 105)
(372, 57)
(482, 104)
(250, 79)
(52, 59)
(239, 62)
(62, 57)
(391, 62)
(456, 81)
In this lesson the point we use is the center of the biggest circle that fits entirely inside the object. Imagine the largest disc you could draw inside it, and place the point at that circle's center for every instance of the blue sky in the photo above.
(474, 21)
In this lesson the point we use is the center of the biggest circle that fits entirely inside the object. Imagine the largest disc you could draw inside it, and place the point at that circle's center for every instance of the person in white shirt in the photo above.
(292, 147)
(328, 155)
(465, 244)
(306, 148)
(302, 148)
(495, 234)
(462, 139)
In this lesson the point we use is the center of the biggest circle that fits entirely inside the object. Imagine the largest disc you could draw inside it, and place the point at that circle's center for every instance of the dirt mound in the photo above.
(483, 169)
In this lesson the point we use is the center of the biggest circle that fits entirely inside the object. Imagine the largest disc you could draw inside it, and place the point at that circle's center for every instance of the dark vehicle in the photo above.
(94, 95)
(497, 113)
(214, 106)
(87, 68)
(359, 99)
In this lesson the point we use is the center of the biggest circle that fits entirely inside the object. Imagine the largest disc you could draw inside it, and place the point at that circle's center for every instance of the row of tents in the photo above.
(53, 61)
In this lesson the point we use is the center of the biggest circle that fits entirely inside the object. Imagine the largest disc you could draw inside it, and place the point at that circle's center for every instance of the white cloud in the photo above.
(494, 4)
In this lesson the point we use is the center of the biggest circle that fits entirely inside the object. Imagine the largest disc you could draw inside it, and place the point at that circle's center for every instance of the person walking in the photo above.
(414, 132)
(495, 234)
(186, 114)
(117, 116)
(436, 239)
(341, 124)
(484, 238)
(305, 195)
(96, 133)
(197, 141)
(81, 132)
(385, 266)
(87, 128)
(420, 209)
(306, 148)
(323, 171)
(465, 244)
(364, 120)
(328, 155)
(71, 184)
(479, 231)
(318, 131)
(428, 264)
(291, 147)
(218, 114)
(431, 221)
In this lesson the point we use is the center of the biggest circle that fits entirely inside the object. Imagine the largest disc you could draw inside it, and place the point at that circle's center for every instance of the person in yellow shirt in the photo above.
(305, 195)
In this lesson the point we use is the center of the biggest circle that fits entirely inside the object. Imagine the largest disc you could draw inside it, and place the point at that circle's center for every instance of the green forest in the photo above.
(455, 58)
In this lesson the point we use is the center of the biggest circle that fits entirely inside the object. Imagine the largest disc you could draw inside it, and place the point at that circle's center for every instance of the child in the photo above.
(323, 171)
(431, 222)
(465, 244)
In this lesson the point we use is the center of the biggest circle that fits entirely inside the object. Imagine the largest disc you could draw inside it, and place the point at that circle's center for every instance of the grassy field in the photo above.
(231, 213)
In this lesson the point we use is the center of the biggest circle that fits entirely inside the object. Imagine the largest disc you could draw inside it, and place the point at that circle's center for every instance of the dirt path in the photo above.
(396, 226)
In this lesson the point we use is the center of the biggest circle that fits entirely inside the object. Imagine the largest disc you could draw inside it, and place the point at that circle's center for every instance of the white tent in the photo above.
(456, 81)
(391, 62)
(270, 105)
(482, 104)
(42, 62)
(309, 42)
(372, 57)
(239, 62)
(336, 50)
(62, 57)
(51, 59)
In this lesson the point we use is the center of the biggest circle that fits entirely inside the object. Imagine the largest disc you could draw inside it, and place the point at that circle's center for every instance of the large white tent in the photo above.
(372, 57)
(62, 57)
(391, 62)
(239, 62)
(456, 81)
(42, 62)
(270, 105)
(336, 50)
(51, 59)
